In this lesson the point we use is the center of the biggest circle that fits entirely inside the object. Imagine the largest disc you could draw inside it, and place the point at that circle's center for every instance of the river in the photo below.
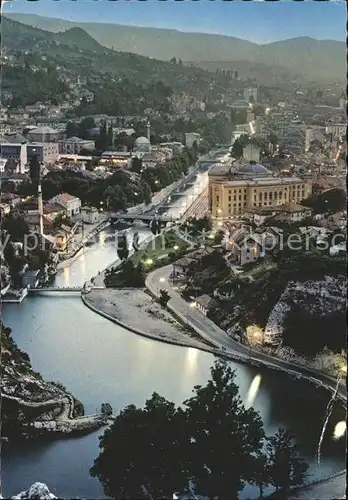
(99, 361)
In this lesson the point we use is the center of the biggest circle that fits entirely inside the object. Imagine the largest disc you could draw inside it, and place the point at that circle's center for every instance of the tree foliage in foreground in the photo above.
(286, 468)
(212, 441)
(164, 298)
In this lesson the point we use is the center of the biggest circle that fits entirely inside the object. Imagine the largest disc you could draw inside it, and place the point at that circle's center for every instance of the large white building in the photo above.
(234, 191)
(44, 134)
(47, 152)
(74, 145)
(71, 204)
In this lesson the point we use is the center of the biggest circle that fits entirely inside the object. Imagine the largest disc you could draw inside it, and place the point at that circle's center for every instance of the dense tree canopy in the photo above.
(117, 192)
(286, 468)
(332, 201)
(28, 86)
(211, 443)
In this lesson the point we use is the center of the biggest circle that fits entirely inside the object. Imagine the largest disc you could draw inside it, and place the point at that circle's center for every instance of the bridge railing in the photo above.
(56, 289)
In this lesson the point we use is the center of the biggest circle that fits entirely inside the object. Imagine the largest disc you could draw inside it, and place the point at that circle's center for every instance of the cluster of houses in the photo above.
(247, 243)
(62, 216)
(63, 221)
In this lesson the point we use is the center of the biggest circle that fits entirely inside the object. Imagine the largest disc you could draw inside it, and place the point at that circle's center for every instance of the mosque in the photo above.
(143, 144)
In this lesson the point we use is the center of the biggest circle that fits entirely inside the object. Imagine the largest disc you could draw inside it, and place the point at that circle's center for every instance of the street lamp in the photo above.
(149, 262)
(192, 305)
(161, 280)
(176, 247)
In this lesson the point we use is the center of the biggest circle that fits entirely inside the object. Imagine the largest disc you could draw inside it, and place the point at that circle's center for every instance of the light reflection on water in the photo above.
(99, 361)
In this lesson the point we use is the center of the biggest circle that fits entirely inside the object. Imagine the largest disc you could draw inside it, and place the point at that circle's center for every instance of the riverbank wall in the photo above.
(239, 358)
(72, 256)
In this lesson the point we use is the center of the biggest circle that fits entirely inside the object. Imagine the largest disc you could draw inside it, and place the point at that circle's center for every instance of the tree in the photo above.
(164, 298)
(116, 198)
(219, 236)
(15, 226)
(260, 472)
(223, 435)
(287, 469)
(71, 129)
(110, 136)
(15, 263)
(122, 247)
(238, 146)
(155, 226)
(332, 201)
(141, 452)
(273, 139)
(102, 140)
(136, 164)
(85, 126)
(156, 450)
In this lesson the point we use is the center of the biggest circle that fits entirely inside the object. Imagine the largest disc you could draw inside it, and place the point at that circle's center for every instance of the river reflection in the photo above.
(99, 361)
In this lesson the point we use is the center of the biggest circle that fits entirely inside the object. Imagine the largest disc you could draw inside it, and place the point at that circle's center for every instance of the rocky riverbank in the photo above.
(32, 407)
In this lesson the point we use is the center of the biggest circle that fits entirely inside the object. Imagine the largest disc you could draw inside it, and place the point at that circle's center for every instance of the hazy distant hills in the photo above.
(262, 73)
(80, 54)
(312, 58)
(79, 37)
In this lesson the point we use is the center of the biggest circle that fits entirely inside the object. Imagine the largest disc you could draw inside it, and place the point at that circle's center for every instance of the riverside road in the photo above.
(160, 278)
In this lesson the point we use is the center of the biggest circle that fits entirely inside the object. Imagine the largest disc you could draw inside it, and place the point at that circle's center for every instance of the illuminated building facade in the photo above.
(232, 192)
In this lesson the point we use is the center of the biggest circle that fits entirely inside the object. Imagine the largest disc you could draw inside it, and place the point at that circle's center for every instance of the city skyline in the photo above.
(173, 249)
(269, 21)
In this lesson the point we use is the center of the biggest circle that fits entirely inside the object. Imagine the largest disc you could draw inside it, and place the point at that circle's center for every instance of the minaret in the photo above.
(40, 204)
(148, 131)
(35, 175)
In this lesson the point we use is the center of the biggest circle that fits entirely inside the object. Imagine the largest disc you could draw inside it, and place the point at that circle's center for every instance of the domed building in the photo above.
(142, 144)
(251, 186)
(253, 169)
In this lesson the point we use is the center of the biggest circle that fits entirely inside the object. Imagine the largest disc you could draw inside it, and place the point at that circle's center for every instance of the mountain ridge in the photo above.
(314, 59)
(32, 17)
(78, 36)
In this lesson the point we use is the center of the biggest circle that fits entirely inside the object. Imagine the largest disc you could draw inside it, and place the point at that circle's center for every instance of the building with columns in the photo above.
(232, 192)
